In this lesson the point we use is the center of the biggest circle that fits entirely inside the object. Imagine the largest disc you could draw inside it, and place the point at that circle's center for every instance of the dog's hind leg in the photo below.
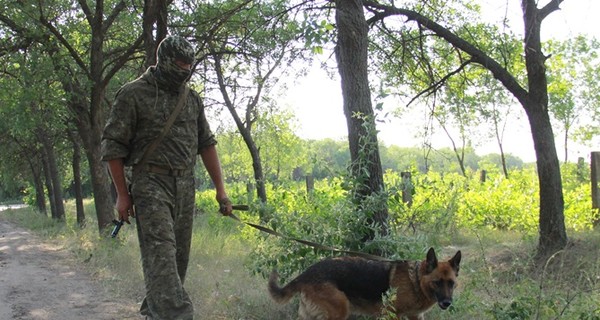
(323, 302)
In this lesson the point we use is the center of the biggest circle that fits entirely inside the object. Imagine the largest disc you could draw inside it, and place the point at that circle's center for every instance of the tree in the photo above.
(35, 124)
(283, 151)
(573, 85)
(495, 108)
(351, 54)
(77, 185)
(247, 47)
(533, 97)
(109, 45)
(279, 145)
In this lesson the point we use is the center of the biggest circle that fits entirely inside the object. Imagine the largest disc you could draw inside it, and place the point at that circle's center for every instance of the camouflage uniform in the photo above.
(163, 189)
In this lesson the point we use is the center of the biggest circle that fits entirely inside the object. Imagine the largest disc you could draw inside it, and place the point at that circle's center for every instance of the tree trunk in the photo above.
(149, 17)
(259, 176)
(155, 14)
(245, 131)
(553, 236)
(55, 181)
(500, 144)
(535, 102)
(100, 182)
(77, 179)
(503, 160)
(89, 126)
(48, 183)
(595, 180)
(351, 55)
(40, 196)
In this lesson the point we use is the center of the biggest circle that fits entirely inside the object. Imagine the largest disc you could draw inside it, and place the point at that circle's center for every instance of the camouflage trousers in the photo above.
(164, 208)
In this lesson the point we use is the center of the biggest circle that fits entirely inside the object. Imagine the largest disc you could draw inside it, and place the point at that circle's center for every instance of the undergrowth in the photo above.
(492, 223)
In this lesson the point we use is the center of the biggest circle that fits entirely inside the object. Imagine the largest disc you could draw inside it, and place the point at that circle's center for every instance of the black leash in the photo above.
(243, 207)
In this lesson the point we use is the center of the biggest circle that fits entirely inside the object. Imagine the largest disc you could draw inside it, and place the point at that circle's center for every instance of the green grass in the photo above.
(497, 280)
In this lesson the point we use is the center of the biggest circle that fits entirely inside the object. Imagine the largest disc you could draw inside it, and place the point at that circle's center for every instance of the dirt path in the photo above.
(40, 281)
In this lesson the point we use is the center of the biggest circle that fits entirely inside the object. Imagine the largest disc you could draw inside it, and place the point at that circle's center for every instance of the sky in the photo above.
(317, 102)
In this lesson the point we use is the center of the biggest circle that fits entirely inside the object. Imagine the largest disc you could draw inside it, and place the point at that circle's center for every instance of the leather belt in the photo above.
(168, 171)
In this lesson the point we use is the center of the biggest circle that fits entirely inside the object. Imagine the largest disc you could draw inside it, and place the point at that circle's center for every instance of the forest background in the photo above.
(63, 62)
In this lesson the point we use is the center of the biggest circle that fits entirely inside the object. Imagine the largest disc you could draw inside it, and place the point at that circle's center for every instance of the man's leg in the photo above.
(184, 220)
(154, 197)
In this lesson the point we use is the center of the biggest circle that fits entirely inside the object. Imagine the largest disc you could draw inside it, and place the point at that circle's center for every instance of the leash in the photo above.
(243, 207)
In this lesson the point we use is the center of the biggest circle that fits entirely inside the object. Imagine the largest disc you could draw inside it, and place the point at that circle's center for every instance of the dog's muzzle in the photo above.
(445, 304)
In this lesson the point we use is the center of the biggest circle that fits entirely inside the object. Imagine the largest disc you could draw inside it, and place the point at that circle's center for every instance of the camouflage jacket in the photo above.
(138, 115)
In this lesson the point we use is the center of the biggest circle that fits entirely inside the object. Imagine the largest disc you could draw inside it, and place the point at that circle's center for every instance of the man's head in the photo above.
(174, 59)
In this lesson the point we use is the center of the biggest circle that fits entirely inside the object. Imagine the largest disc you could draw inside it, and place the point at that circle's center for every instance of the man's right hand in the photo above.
(124, 207)
(124, 203)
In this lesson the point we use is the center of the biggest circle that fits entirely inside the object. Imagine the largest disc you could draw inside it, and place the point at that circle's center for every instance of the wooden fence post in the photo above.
(310, 183)
(407, 188)
(482, 176)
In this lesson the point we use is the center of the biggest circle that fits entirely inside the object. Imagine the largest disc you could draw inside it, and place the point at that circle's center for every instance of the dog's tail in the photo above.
(281, 294)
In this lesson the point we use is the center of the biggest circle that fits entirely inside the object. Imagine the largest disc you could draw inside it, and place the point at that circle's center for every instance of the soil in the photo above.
(42, 281)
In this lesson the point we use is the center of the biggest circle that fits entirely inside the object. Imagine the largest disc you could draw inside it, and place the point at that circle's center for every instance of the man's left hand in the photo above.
(225, 206)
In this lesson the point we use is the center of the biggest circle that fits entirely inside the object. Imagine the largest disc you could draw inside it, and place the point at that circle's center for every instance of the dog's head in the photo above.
(439, 279)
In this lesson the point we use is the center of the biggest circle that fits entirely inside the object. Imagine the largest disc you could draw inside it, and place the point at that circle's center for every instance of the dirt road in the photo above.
(40, 281)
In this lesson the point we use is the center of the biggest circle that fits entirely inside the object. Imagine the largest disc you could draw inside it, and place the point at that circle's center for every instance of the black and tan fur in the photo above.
(334, 288)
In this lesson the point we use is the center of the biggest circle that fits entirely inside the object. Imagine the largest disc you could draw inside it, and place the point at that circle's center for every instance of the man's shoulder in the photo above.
(140, 82)
(196, 97)
(138, 85)
(193, 92)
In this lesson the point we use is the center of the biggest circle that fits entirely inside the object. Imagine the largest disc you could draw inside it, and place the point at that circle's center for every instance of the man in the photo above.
(162, 184)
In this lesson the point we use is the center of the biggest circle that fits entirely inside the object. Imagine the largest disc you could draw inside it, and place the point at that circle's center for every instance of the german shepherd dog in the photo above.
(334, 288)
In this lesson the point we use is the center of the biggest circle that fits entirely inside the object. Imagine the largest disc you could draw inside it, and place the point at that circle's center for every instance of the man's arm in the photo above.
(124, 203)
(211, 162)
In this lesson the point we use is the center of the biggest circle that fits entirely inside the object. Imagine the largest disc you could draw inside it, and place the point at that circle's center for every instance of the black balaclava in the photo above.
(168, 74)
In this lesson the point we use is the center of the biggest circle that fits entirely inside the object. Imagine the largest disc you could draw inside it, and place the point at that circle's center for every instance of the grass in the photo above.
(497, 280)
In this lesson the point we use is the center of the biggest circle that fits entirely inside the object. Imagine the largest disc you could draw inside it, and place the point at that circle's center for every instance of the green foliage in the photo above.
(527, 302)
(505, 204)
(327, 157)
(442, 204)
(324, 216)
(317, 35)
(573, 85)
(29, 196)
(388, 305)
(434, 200)
(496, 280)
(451, 200)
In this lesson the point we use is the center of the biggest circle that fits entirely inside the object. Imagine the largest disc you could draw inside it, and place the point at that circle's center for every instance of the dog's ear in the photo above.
(431, 261)
(455, 262)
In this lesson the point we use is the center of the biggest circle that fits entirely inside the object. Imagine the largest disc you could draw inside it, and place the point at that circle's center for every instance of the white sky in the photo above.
(317, 102)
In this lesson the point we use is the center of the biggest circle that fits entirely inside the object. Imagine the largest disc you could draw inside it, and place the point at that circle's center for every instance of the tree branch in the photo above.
(476, 54)
(86, 9)
(113, 16)
(549, 8)
(440, 82)
(67, 45)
